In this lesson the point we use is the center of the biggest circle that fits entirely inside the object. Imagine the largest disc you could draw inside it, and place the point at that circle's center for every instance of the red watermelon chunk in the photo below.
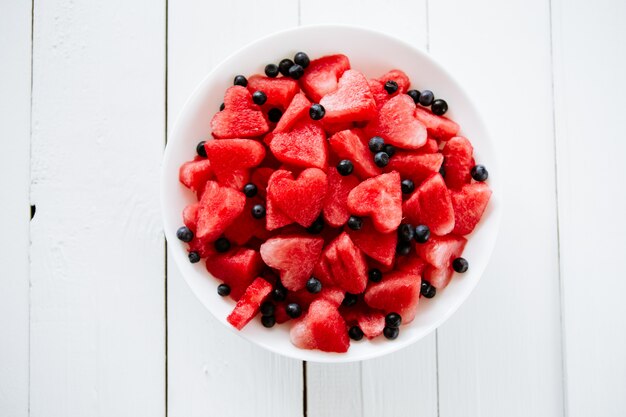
(321, 328)
(469, 204)
(237, 268)
(304, 298)
(440, 251)
(304, 146)
(322, 75)
(219, 207)
(438, 126)
(369, 320)
(335, 208)
(300, 199)
(279, 91)
(411, 264)
(190, 216)
(349, 144)
(274, 217)
(232, 158)
(376, 245)
(351, 101)
(260, 177)
(431, 205)
(194, 174)
(345, 264)
(378, 92)
(245, 227)
(204, 248)
(397, 125)
(249, 304)
(431, 146)
(381, 96)
(381, 199)
(298, 108)
(438, 277)
(294, 256)
(241, 118)
(415, 167)
(398, 292)
(459, 161)
(280, 313)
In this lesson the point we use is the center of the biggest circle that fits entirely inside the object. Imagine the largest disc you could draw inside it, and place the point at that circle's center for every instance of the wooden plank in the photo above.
(500, 354)
(212, 371)
(404, 383)
(589, 67)
(15, 49)
(97, 258)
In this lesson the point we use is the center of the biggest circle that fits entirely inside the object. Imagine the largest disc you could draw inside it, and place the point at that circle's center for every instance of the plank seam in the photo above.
(304, 391)
(30, 190)
(166, 387)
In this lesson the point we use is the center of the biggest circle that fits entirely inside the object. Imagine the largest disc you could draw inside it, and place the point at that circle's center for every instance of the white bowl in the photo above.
(373, 53)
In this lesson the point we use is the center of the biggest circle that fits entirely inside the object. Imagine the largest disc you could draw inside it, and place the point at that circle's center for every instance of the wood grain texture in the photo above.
(97, 258)
(589, 67)
(377, 387)
(500, 354)
(15, 49)
(212, 371)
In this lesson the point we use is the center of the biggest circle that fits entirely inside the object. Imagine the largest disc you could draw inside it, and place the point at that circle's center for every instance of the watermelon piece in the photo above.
(322, 75)
(469, 204)
(431, 205)
(194, 174)
(219, 207)
(304, 146)
(376, 245)
(349, 144)
(232, 158)
(298, 108)
(397, 125)
(415, 167)
(369, 320)
(304, 298)
(321, 328)
(398, 292)
(323, 272)
(280, 313)
(294, 256)
(245, 226)
(439, 251)
(377, 86)
(411, 264)
(431, 146)
(249, 304)
(335, 208)
(260, 177)
(437, 126)
(344, 264)
(300, 199)
(241, 118)
(378, 92)
(204, 248)
(237, 268)
(190, 216)
(351, 101)
(438, 277)
(459, 161)
(279, 91)
(381, 199)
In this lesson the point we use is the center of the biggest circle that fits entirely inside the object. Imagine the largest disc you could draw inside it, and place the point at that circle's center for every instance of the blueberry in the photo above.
(376, 144)
(403, 248)
(345, 167)
(479, 173)
(355, 333)
(200, 149)
(284, 65)
(349, 300)
(302, 59)
(391, 332)
(258, 211)
(274, 115)
(391, 87)
(393, 320)
(268, 308)
(355, 223)
(422, 233)
(313, 285)
(271, 70)
(405, 232)
(317, 111)
(279, 293)
(381, 159)
(427, 290)
(389, 150)
(375, 275)
(296, 71)
(460, 265)
(407, 186)
(194, 257)
(222, 245)
(293, 310)
(415, 95)
(223, 290)
(250, 190)
(317, 226)
(184, 234)
(222, 106)
(240, 80)
(442, 171)
(259, 97)
(439, 107)
(268, 321)
(426, 98)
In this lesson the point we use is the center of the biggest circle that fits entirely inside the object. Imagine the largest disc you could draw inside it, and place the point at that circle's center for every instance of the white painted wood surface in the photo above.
(107, 328)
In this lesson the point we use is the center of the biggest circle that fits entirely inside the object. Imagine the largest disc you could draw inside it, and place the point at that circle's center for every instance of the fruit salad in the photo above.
(329, 202)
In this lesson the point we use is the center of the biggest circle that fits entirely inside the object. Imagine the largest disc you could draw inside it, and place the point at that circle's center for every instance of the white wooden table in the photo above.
(94, 321)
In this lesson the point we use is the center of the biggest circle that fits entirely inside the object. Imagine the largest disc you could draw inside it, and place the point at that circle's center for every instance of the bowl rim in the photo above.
(495, 216)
